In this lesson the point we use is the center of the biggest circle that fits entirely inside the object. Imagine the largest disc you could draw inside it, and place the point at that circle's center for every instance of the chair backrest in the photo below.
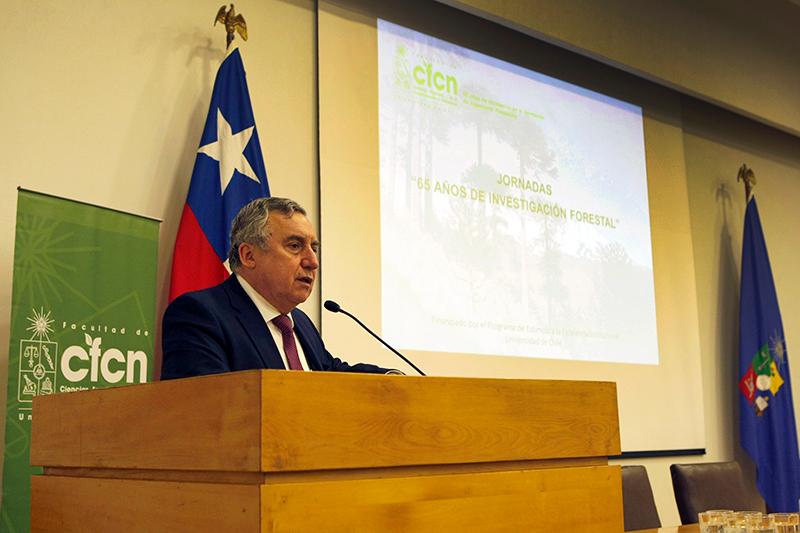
(638, 504)
(703, 486)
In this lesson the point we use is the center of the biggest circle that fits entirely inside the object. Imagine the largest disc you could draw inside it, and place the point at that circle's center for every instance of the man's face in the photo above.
(285, 271)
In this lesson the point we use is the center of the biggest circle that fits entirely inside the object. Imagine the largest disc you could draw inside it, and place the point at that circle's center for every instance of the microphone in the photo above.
(333, 307)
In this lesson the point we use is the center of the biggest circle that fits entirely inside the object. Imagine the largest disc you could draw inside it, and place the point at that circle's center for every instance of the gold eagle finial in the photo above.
(749, 178)
(232, 22)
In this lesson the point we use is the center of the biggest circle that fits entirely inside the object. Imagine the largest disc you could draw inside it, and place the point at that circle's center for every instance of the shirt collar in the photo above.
(267, 310)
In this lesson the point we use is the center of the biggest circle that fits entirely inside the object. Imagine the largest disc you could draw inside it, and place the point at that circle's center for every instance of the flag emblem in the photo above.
(762, 379)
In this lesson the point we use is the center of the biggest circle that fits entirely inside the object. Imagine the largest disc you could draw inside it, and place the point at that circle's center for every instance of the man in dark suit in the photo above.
(251, 321)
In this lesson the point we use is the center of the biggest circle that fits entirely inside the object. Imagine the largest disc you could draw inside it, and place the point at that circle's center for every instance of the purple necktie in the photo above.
(284, 324)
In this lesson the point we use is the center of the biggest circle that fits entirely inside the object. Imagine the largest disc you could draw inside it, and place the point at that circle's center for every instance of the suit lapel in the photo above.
(303, 335)
(253, 324)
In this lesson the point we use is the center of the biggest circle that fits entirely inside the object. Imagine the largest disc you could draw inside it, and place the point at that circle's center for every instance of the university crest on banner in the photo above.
(38, 357)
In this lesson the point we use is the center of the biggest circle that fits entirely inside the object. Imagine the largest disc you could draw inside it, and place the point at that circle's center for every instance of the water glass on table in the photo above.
(760, 523)
(737, 521)
(786, 522)
(714, 521)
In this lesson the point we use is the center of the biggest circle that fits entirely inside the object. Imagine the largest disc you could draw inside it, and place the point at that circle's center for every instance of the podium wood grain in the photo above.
(576, 500)
(73, 504)
(260, 421)
(336, 452)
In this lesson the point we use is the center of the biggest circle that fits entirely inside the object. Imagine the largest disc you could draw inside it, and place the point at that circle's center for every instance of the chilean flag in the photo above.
(228, 173)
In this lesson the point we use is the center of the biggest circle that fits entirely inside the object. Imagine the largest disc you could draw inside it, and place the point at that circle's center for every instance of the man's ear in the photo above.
(246, 255)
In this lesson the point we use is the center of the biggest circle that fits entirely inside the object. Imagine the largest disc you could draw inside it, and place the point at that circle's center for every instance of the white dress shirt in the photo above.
(268, 312)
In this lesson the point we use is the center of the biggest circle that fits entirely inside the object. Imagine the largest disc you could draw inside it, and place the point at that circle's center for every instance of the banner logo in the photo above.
(38, 359)
(77, 363)
(42, 366)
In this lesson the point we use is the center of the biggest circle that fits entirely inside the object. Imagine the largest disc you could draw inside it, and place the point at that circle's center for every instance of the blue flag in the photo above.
(767, 415)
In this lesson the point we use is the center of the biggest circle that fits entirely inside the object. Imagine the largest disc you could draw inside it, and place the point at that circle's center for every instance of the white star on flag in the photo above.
(228, 149)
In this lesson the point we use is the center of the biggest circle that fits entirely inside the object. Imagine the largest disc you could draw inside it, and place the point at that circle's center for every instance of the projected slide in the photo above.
(514, 214)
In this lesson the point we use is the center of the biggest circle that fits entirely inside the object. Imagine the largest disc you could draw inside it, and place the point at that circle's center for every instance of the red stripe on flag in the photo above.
(195, 264)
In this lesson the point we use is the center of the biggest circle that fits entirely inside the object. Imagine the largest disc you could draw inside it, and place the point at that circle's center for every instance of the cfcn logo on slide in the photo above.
(45, 370)
(429, 76)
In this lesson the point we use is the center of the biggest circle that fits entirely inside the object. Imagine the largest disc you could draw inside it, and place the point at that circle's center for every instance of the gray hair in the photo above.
(250, 224)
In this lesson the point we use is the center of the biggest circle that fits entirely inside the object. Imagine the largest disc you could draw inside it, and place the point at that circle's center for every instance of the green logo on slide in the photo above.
(427, 75)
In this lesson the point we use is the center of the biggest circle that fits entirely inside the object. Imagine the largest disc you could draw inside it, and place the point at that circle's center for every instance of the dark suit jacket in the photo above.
(220, 330)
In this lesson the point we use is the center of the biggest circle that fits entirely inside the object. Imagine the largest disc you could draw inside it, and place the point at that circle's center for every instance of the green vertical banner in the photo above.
(82, 317)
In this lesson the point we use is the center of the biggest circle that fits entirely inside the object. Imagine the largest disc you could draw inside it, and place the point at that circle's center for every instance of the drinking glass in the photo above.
(713, 521)
(737, 522)
(786, 522)
(760, 524)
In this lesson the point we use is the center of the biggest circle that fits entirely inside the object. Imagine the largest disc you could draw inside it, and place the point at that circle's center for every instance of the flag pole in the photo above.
(749, 178)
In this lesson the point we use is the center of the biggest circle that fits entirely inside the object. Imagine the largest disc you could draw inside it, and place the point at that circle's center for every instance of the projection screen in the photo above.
(489, 219)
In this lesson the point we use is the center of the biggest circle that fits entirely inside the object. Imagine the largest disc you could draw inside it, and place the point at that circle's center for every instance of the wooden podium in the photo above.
(300, 451)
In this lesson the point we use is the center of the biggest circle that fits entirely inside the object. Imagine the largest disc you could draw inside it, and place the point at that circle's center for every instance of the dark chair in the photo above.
(638, 504)
(703, 486)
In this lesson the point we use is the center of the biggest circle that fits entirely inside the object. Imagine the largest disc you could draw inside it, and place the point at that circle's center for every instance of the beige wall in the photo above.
(738, 53)
(105, 101)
